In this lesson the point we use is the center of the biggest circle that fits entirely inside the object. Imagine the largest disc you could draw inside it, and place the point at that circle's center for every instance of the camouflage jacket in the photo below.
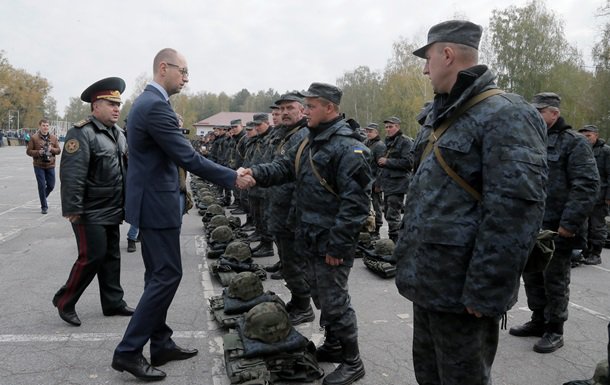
(326, 223)
(261, 154)
(394, 176)
(281, 197)
(453, 251)
(238, 150)
(378, 149)
(573, 179)
(602, 158)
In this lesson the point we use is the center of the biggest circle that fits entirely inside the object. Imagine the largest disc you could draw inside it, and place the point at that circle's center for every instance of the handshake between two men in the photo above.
(244, 180)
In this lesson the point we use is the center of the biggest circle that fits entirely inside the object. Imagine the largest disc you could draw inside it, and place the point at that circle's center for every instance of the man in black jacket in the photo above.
(92, 173)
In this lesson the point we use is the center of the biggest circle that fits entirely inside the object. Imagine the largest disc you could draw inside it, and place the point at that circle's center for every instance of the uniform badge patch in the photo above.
(71, 146)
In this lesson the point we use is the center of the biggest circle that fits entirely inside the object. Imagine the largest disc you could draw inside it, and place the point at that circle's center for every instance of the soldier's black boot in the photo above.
(330, 350)
(275, 267)
(265, 250)
(551, 340)
(350, 370)
(533, 328)
(300, 310)
(594, 257)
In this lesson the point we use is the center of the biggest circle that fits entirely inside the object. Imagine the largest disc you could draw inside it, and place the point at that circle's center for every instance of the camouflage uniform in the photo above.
(222, 155)
(378, 150)
(394, 179)
(258, 195)
(327, 225)
(281, 219)
(572, 191)
(598, 230)
(236, 159)
(455, 252)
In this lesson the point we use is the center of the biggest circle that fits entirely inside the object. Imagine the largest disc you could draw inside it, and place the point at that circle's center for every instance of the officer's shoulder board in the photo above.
(82, 123)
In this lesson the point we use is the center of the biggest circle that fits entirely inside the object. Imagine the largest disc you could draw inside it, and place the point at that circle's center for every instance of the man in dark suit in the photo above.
(157, 148)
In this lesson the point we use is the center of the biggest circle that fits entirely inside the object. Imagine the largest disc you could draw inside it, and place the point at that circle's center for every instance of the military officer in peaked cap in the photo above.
(92, 194)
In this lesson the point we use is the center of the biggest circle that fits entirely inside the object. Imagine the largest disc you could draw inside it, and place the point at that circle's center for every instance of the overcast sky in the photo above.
(230, 45)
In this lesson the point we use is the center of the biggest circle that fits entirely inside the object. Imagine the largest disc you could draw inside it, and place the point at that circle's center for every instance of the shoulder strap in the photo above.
(436, 134)
(297, 160)
(322, 181)
(458, 179)
(440, 130)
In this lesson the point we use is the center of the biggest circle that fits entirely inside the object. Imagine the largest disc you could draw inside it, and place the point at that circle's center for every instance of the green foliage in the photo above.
(528, 43)
(23, 92)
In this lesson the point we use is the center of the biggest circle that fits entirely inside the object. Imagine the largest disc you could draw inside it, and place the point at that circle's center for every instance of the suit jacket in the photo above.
(156, 149)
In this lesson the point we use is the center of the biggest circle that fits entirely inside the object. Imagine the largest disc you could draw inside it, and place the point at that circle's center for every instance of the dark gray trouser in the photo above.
(453, 349)
(294, 266)
(98, 254)
(393, 204)
(549, 291)
(329, 292)
(598, 231)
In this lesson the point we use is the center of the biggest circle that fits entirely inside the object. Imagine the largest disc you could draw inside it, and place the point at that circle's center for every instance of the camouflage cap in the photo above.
(267, 322)
(393, 120)
(222, 234)
(452, 31)
(245, 285)
(238, 250)
(384, 247)
(289, 97)
(273, 107)
(218, 220)
(260, 118)
(323, 90)
(589, 128)
(372, 126)
(546, 99)
(249, 126)
(235, 122)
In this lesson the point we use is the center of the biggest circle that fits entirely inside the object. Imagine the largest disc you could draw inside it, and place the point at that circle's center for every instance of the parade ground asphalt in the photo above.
(38, 348)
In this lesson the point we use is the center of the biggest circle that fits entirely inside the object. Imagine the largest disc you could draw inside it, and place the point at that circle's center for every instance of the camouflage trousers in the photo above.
(329, 292)
(549, 291)
(598, 231)
(393, 204)
(294, 265)
(259, 216)
(377, 207)
(453, 349)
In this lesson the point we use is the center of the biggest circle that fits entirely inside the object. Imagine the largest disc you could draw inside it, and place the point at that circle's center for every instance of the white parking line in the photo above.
(85, 337)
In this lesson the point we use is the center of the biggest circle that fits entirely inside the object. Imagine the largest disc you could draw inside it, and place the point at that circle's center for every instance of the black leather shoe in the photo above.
(593, 260)
(44, 211)
(138, 366)
(346, 373)
(174, 354)
(277, 275)
(131, 246)
(298, 316)
(125, 311)
(70, 317)
(273, 268)
(528, 329)
(549, 343)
